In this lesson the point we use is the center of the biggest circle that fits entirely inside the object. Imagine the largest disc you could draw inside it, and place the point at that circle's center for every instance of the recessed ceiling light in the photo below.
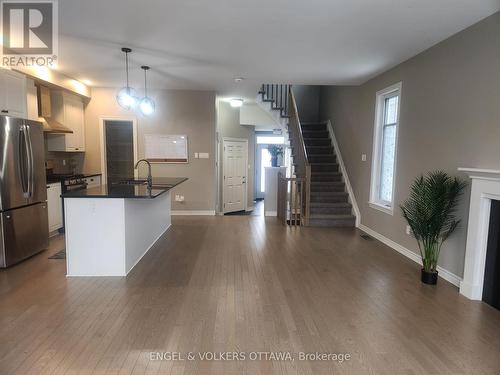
(238, 79)
(236, 102)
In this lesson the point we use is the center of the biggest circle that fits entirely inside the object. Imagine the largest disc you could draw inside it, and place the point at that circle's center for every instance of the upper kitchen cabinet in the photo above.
(12, 93)
(68, 110)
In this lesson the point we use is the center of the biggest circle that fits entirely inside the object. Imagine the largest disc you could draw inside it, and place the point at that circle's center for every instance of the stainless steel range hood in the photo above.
(50, 125)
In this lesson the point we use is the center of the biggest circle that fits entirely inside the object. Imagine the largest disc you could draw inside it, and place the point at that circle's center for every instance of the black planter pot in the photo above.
(430, 278)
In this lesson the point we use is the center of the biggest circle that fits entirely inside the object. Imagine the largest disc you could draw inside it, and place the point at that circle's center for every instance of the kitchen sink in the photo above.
(141, 182)
(131, 182)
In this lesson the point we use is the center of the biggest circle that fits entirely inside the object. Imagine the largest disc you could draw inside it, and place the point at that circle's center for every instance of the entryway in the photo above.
(263, 159)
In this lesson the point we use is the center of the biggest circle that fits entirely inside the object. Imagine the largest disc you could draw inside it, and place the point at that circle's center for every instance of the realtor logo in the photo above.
(29, 32)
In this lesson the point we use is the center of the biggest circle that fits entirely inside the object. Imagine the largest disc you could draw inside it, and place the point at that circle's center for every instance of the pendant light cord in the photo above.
(145, 68)
(126, 67)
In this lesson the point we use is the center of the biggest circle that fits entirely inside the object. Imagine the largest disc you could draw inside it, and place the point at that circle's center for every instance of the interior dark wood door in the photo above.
(491, 288)
(119, 149)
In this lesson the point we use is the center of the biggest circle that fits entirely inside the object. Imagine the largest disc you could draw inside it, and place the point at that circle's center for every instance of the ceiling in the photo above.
(205, 44)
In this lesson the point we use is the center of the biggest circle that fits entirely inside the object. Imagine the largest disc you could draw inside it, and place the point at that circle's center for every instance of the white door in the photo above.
(235, 175)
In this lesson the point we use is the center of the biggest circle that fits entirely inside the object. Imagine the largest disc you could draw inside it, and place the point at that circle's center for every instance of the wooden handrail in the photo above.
(303, 167)
(295, 120)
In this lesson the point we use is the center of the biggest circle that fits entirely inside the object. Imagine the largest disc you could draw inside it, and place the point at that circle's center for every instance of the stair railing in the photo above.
(278, 95)
(291, 200)
(294, 193)
(301, 162)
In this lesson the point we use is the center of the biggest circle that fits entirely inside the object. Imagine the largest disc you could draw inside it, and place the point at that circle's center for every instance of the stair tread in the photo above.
(331, 205)
(325, 173)
(327, 182)
(314, 123)
(331, 216)
(328, 193)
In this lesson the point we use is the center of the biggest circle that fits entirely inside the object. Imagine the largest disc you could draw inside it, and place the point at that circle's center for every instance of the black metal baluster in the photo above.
(281, 99)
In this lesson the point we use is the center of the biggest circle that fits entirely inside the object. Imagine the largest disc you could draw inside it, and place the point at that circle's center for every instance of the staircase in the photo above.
(323, 200)
(329, 201)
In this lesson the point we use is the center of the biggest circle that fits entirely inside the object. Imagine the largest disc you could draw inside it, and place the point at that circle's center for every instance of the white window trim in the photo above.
(374, 202)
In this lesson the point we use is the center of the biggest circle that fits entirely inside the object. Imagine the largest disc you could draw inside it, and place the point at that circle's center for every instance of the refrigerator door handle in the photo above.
(31, 163)
(22, 150)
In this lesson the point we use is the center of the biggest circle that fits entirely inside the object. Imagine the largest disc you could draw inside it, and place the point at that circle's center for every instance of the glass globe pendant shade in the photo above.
(127, 98)
(147, 106)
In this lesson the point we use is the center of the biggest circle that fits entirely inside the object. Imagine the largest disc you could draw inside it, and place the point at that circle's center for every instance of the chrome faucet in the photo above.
(150, 177)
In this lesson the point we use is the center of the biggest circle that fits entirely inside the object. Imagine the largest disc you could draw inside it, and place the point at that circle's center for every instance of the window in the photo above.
(270, 140)
(385, 148)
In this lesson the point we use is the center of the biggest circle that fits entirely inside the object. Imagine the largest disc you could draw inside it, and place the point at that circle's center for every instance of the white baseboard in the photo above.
(445, 274)
(270, 213)
(193, 213)
(54, 233)
(343, 170)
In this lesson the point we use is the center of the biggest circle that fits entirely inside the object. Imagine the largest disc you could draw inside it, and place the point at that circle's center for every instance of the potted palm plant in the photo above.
(430, 213)
(275, 150)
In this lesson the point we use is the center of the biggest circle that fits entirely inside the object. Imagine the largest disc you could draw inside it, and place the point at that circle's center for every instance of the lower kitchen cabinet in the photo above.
(54, 203)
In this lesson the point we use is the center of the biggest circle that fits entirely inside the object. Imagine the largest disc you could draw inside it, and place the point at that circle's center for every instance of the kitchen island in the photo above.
(109, 228)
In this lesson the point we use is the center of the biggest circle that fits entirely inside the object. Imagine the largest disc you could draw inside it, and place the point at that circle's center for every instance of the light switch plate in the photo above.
(203, 155)
(408, 230)
(363, 157)
(196, 155)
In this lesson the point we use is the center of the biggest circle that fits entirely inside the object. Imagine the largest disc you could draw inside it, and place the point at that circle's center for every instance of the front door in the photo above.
(235, 175)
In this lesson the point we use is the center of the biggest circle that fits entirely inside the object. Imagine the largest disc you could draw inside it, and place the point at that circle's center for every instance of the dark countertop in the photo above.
(113, 190)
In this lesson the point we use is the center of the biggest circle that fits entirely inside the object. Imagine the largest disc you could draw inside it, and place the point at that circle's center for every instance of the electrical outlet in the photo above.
(408, 230)
(363, 157)
(64, 161)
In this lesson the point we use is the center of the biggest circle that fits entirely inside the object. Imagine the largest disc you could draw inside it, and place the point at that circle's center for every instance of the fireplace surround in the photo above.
(485, 188)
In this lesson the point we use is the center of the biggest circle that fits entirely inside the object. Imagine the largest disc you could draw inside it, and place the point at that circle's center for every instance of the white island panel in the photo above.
(109, 236)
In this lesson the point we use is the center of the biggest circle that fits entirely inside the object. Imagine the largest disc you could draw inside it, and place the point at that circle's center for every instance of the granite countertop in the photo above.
(118, 190)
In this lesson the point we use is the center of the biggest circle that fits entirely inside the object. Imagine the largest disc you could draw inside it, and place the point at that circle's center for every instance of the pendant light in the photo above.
(127, 96)
(147, 105)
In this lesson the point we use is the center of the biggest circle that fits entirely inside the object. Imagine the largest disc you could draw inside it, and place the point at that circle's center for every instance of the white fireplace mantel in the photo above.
(485, 188)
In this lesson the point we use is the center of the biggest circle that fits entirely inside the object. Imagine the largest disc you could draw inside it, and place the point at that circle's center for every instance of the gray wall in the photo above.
(177, 112)
(228, 125)
(450, 118)
(307, 100)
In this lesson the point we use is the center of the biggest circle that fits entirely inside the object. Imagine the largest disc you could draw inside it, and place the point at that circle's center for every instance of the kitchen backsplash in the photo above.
(64, 162)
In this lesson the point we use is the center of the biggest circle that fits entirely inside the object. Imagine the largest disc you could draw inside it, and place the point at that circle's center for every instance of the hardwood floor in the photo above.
(247, 284)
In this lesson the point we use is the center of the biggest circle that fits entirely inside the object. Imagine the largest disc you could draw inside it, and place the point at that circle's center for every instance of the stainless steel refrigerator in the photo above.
(23, 191)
